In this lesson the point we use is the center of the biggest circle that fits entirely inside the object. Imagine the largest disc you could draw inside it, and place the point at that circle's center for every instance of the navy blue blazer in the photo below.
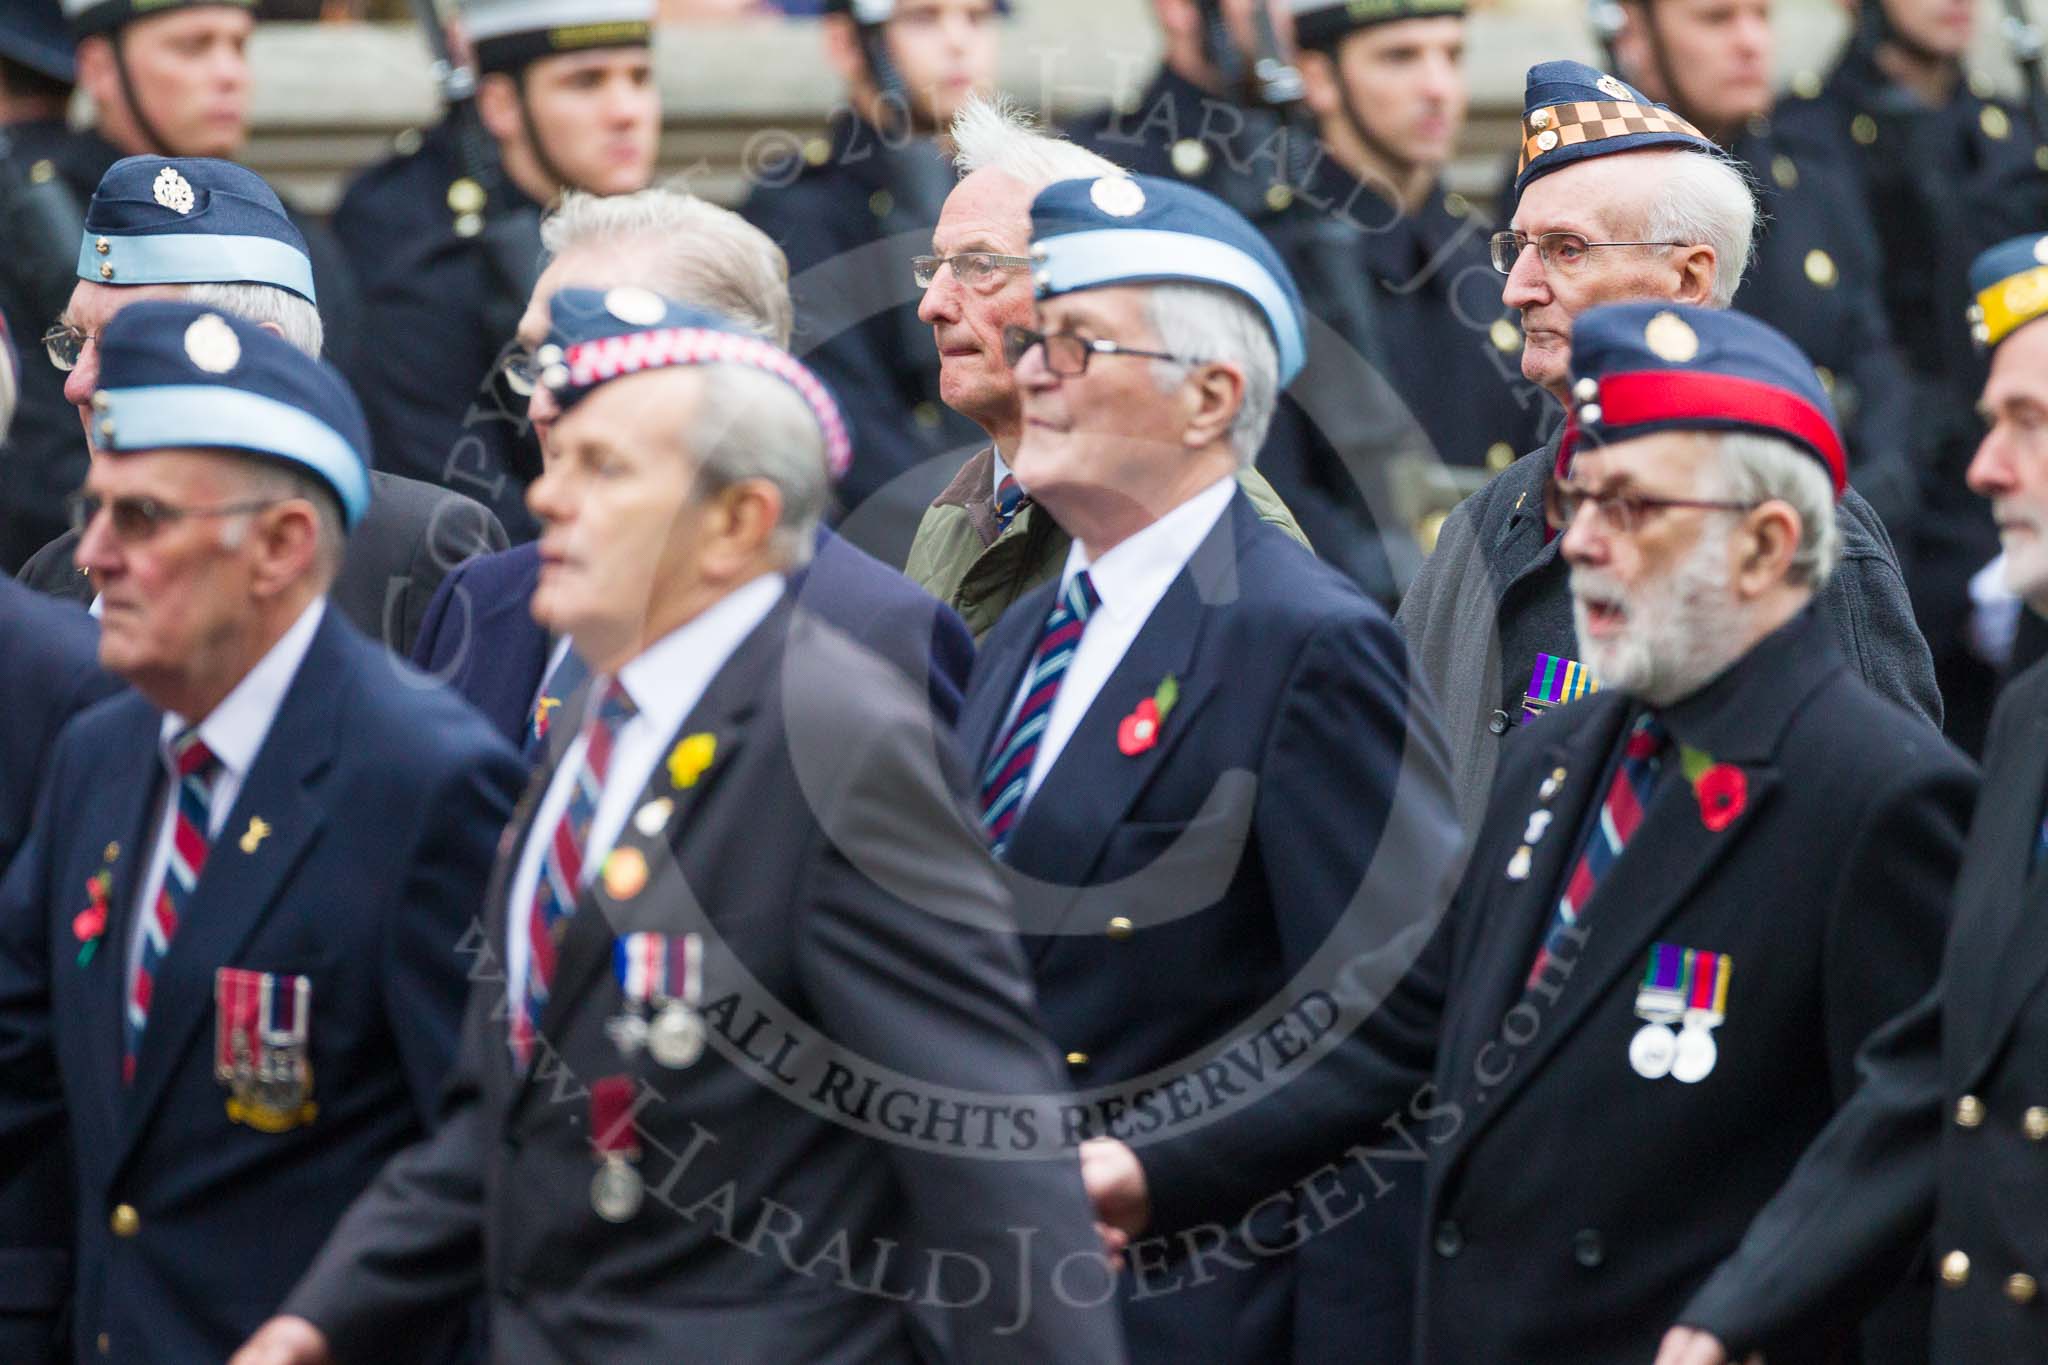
(1177, 892)
(381, 800)
(49, 671)
(480, 638)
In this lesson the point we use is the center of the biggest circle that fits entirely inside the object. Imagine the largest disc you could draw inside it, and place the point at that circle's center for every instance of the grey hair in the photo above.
(271, 478)
(266, 305)
(687, 248)
(1203, 322)
(1753, 467)
(999, 134)
(750, 425)
(1707, 201)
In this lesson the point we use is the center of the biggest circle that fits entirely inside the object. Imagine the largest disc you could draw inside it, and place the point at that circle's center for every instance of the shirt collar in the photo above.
(1000, 472)
(1133, 574)
(234, 730)
(668, 678)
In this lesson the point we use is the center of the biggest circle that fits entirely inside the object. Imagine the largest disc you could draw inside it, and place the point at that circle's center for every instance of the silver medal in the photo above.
(616, 1191)
(1652, 1051)
(676, 1038)
(1697, 1053)
(628, 1032)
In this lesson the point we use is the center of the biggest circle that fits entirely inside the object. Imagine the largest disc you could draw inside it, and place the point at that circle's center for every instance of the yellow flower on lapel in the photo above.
(691, 756)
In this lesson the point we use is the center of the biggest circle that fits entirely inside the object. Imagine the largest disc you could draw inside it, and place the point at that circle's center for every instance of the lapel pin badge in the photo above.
(1139, 731)
(1518, 866)
(1539, 825)
(689, 759)
(1548, 791)
(253, 837)
(652, 818)
(625, 873)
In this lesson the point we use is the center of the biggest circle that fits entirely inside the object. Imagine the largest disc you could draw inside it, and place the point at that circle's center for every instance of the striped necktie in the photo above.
(1009, 765)
(196, 768)
(1009, 497)
(561, 868)
(1621, 814)
(559, 685)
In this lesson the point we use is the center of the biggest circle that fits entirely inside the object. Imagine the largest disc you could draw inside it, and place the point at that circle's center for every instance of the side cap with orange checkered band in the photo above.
(1570, 112)
(2008, 288)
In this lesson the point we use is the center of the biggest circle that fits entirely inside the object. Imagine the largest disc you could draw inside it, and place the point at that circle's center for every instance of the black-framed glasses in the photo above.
(1066, 353)
(65, 344)
(1622, 513)
(975, 269)
(136, 519)
(1563, 251)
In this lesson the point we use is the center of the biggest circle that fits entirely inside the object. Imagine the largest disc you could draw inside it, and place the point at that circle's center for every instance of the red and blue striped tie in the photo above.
(1009, 497)
(196, 768)
(561, 868)
(1621, 814)
(1009, 766)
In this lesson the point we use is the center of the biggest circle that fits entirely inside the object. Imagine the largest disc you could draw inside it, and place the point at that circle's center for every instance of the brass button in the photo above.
(43, 172)
(2041, 158)
(1806, 84)
(1820, 269)
(1505, 336)
(2035, 1122)
(106, 271)
(105, 1343)
(2021, 1288)
(926, 415)
(1955, 1269)
(817, 151)
(1457, 205)
(880, 202)
(1077, 1059)
(1499, 456)
(466, 196)
(1864, 129)
(409, 142)
(1785, 171)
(1190, 158)
(1969, 1112)
(1278, 197)
(1826, 377)
(126, 1222)
(1120, 928)
(102, 246)
(1996, 125)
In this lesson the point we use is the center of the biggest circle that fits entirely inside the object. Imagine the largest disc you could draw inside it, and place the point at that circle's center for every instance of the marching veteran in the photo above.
(741, 903)
(1946, 1132)
(229, 952)
(1189, 741)
(1694, 895)
(1618, 199)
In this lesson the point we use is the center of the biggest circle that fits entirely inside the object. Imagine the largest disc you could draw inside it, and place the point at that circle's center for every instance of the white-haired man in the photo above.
(480, 636)
(1693, 896)
(795, 890)
(982, 544)
(1657, 214)
(1188, 744)
(214, 233)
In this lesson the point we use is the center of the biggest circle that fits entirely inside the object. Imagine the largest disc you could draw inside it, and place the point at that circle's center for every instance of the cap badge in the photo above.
(2041, 250)
(174, 191)
(1611, 88)
(1117, 195)
(1540, 119)
(1669, 338)
(212, 345)
(636, 307)
(1546, 141)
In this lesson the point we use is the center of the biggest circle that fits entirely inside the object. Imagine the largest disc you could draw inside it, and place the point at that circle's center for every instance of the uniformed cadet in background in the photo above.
(166, 78)
(39, 217)
(1398, 269)
(1198, 119)
(1818, 271)
(1946, 171)
(1945, 1134)
(445, 235)
(849, 211)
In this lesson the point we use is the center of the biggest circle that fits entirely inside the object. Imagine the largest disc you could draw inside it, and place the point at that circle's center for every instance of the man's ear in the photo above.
(1773, 533)
(1696, 270)
(1319, 82)
(497, 105)
(287, 542)
(746, 514)
(843, 51)
(97, 74)
(1218, 394)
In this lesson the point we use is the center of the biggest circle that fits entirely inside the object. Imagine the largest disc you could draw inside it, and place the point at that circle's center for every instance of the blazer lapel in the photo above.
(1004, 659)
(2010, 934)
(247, 870)
(723, 712)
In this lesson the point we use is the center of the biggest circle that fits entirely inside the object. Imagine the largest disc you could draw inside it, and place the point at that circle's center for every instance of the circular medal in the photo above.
(1651, 1051)
(1697, 1053)
(628, 1032)
(616, 1191)
(676, 1038)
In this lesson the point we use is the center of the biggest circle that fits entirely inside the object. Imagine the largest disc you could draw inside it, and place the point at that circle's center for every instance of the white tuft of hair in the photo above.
(998, 134)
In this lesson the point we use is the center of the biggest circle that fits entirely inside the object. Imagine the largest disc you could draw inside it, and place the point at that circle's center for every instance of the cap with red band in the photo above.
(1645, 367)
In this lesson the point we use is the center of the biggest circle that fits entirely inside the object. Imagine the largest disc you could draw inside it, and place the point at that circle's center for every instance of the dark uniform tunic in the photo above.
(1175, 128)
(436, 318)
(849, 213)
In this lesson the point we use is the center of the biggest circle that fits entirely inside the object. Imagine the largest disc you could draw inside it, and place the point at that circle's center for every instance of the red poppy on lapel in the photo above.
(1723, 792)
(89, 924)
(1139, 730)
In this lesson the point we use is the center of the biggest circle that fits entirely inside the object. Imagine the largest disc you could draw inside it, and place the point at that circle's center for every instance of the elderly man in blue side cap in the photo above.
(214, 233)
(1618, 199)
(230, 961)
(747, 846)
(1946, 1133)
(1695, 894)
(1188, 745)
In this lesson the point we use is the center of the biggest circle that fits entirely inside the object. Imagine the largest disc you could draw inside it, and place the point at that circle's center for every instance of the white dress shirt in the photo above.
(665, 682)
(234, 731)
(1130, 579)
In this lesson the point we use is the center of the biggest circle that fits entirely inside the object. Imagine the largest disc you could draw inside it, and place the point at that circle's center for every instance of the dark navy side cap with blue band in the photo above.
(177, 375)
(191, 220)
